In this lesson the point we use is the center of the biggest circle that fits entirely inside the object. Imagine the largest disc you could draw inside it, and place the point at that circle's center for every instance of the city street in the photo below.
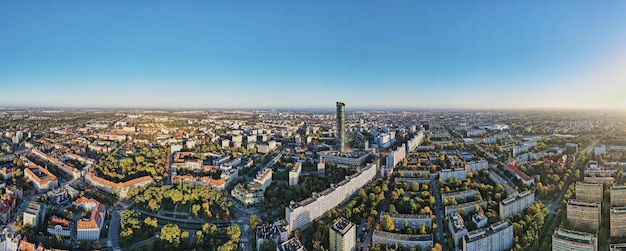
(439, 212)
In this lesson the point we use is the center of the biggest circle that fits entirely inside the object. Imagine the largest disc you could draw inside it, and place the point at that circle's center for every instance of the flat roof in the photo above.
(575, 236)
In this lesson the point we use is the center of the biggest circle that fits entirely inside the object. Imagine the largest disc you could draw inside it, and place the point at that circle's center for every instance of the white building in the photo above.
(356, 158)
(414, 221)
(303, 213)
(89, 228)
(396, 156)
(476, 166)
(266, 147)
(59, 226)
(457, 228)
(342, 236)
(458, 173)
(414, 142)
(264, 177)
(599, 150)
(294, 174)
(497, 237)
(517, 204)
(404, 240)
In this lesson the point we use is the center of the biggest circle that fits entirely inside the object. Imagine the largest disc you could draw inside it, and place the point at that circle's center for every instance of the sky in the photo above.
(300, 54)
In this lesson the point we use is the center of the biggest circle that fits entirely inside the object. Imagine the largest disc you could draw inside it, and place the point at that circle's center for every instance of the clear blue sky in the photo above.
(283, 54)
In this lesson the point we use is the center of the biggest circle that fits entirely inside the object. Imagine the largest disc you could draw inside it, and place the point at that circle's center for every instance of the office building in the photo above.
(342, 236)
(341, 127)
(591, 192)
(567, 240)
(584, 214)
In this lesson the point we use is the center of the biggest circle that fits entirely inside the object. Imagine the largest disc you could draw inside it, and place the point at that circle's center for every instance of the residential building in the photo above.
(355, 158)
(33, 215)
(292, 244)
(457, 173)
(618, 196)
(467, 207)
(43, 180)
(404, 240)
(276, 232)
(413, 143)
(617, 247)
(266, 147)
(517, 204)
(571, 148)
(321, 168)
(461, 195)
(617, 221)
(599, 150)
(567, 240)
(589, 191)
(294, 174)
(301, 214)
(414, 221)
(396, 156)
(583, 213)
(497, 237)
(342, 236)
(264, 177)
(479, 219)
(457, 228)
(89, 228)
(252, 194)
(9, 241)
(476, 166)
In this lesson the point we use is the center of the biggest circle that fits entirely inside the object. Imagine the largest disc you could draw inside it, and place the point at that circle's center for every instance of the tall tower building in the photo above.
(342, 236)
(341, 126)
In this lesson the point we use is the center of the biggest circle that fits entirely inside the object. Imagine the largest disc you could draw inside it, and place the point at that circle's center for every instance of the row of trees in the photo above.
(134, 229)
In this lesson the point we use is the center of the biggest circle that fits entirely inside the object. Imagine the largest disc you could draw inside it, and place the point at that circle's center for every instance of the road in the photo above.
(114, 230)
(555, 203)
(439, 213)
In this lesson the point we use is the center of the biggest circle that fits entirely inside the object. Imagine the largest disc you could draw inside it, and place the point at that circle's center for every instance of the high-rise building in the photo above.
(341, 126)
(566, 240)
(497, 237)
(342, 236)
(584, 214)
(589, 191)
(618, 221)
(618, 196)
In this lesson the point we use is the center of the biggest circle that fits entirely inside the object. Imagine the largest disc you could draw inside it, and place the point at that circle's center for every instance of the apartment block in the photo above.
(584, 214)
(497, 237)
(567, 240)
(516, 204)
(589, 191)
(617, 220)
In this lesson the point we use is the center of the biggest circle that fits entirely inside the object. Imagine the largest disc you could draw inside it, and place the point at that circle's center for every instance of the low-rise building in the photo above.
(414, 221)
(43, 180)
(424, 241)
(59, 226)
(89, 228)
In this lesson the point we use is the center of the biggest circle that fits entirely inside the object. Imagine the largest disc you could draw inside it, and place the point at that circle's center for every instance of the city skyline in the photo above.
(403, 55)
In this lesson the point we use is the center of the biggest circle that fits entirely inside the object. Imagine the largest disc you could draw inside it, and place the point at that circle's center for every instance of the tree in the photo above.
(171, 234)
(254, 221)
(233, 232)
(268, 246)
(387, 223)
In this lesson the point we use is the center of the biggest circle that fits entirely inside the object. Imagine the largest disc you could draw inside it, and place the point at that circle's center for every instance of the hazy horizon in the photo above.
(307, 55)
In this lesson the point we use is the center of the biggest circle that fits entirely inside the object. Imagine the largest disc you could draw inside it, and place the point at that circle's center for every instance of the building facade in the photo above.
(516, 204)
(588, 191)
(342, 236)
(617, 220)
(583, 213)
(567, 240)
(341, 127)
(497, 237)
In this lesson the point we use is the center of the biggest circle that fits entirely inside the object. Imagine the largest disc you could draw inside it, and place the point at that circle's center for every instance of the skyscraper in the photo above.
(341, 126)
(342, 236)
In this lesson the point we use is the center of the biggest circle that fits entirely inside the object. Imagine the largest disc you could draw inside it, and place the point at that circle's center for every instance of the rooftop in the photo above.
(342, 226)
(574, 236)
